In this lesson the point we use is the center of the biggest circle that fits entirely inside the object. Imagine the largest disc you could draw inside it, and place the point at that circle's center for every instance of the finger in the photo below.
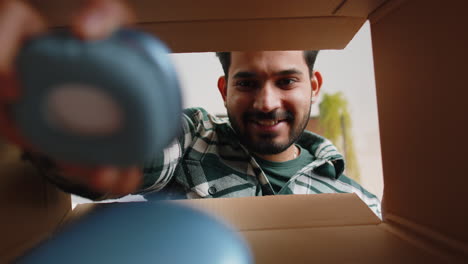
(128, 182)
(112, 181)
(115, 182)
(18, 22)
(103, 179)
(9, 89)
(99, 179)
(78, 174)
(99, 18)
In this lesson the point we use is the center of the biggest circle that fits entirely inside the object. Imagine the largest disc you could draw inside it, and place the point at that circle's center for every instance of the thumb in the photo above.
(99, 18)
(18, 21)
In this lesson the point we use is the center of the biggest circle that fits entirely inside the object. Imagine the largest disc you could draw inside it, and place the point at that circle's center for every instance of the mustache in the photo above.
(273, 115)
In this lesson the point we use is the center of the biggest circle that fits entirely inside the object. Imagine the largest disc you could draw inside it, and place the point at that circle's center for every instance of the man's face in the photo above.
(268, 98)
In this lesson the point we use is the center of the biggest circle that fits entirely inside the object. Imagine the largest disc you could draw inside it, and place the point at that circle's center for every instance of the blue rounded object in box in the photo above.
(143, 232)
(114, 102)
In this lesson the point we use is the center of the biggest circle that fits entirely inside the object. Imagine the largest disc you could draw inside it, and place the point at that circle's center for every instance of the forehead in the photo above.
(267, 61)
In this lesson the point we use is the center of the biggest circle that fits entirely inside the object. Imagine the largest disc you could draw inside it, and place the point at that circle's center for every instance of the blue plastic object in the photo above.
(148, 232)
(113, 102)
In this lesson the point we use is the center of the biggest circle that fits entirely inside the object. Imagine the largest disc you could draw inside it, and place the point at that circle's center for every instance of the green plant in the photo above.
(335, 121)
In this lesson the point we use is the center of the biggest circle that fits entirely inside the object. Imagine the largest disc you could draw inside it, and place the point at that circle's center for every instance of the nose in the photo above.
(267, 98)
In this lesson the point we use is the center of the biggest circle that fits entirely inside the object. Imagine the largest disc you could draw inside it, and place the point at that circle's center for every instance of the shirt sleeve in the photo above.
(49, 170)
(370, 199)
(157, 172)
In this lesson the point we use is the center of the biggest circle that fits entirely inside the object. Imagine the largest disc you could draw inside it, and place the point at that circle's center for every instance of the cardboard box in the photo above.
(31, 208)
(306, 229)
(420, 55)
(212, 25)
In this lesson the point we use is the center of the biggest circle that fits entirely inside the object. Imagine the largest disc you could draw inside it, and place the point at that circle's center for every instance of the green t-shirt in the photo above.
(279, 173)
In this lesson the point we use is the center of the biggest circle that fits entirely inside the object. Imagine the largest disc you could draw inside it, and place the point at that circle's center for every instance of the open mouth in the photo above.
(274, 121)
(267, 122)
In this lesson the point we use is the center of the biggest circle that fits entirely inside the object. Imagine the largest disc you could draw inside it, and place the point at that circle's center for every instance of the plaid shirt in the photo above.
(207, 161)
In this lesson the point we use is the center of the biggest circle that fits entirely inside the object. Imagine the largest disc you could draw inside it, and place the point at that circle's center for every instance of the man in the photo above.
(261, 149)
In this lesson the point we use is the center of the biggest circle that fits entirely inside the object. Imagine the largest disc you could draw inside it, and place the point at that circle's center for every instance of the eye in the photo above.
(246, 84)
(286, 82)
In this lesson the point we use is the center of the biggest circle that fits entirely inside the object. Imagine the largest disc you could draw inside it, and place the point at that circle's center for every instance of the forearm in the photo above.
(49, 170)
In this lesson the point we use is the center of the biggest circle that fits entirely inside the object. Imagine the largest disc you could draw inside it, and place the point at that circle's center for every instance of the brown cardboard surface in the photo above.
(58, 12)
(333, 221)
(260, 34)
(384, 9)
(227, 26)
(420, 63)
(423, 238)
(297, 211)
(359, 8)
(31, 207)
(326, 228)
(344, 244)
(420, 53)
(275, 212)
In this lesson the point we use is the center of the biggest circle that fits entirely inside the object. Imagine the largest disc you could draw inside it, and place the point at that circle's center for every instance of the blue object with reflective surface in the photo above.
(130, 69)
(143, 232)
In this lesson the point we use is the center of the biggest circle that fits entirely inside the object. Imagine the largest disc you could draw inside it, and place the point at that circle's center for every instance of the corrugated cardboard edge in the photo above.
(360, 8)
(242, 212)
(287, 27)
(58, 12)
(237, 207)
(262, 34)
(385, 9)
(322, 211)
(304, 33)
(217, 208)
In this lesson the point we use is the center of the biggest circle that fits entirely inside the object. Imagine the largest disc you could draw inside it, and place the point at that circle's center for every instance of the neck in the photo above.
(289, 154)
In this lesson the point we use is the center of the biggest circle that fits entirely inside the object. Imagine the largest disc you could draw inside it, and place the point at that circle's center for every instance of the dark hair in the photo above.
(225, 60)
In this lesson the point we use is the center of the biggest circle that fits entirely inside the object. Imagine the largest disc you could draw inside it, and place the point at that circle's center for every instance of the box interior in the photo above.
(419, 56)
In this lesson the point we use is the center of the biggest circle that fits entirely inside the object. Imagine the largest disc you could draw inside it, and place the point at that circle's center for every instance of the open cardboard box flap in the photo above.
(302, 228)
(31, 208)
(277, 212)
(188, 26)
(298, 211)
(420, 59)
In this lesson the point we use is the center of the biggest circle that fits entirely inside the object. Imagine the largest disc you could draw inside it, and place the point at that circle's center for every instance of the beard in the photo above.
(265, 143)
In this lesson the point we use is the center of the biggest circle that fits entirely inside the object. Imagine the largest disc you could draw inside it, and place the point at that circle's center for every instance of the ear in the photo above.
(316, 82)
(222, 87)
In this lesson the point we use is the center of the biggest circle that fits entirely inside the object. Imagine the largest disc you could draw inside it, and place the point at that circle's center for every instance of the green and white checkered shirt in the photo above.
(207, 160)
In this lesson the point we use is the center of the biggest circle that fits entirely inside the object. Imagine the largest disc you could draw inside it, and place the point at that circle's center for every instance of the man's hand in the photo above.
(111, 181)
(17, 22)
(99, 18)
(96, 19)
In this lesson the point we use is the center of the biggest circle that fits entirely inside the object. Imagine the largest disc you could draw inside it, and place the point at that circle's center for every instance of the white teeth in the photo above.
(267, 122)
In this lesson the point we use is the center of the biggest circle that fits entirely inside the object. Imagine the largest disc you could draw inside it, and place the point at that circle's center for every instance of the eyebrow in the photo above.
(247, 74)
(289, 72)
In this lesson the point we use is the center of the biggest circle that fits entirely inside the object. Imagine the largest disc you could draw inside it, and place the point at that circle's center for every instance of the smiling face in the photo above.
(268, 98)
